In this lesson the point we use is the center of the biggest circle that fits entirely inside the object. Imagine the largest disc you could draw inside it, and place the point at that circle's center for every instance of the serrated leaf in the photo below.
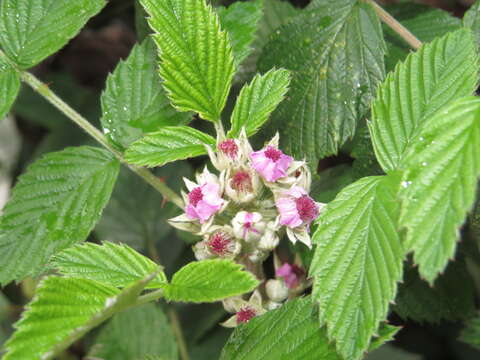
(111, 264)
(136, 334)
(258, 100)
(335, 51)
(275, 14)
(358, 262)
(386, 333)
(134, 101)
(169, 144)
(471, 333)
(55, 204)
(442, 167)
(31, 30)
(209, 281)
(438, 73)
(240, 20)
(417, 301)
(290, 332)
(9, 86)
(62, 311)
(196, 56)
(471, 19)
(425, 22)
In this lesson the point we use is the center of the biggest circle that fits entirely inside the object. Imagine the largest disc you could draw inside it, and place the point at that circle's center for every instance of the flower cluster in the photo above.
(256, 197)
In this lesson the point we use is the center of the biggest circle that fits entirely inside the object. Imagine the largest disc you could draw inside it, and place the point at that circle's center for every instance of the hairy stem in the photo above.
(50, 96)
(177, 331)
(401, 30)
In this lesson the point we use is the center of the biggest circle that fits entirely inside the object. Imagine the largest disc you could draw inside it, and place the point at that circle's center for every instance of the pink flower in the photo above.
(296, 208)
(204, 201)
(248, 226)
(271, 163)
(292, 274)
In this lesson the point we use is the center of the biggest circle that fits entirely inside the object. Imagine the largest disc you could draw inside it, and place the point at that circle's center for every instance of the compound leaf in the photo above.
(358, 262)
(438, 188)
(31, 30)
(196, 56)
(258, 100)
(117, 265)
(55, 204)
(209, 281)
(134, 101)
(438, 73)
(169, 144)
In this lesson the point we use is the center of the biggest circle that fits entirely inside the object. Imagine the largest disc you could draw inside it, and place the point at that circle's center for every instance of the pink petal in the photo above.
(191, 212)
(288, 212)
(206, 210)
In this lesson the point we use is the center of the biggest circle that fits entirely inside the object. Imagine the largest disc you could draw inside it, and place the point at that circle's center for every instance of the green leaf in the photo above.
(196, 57)
(358, 262)
(55, 204)
(275, 14)
(134, 101)
(471, 333)
(136, 334)
(258, 100)
(419, 302)
(438, 73)
(335, 51)
(9, 86)
(290, 332)
(111, 264)
(438, 188)
(425, 22)
(62, 311)
(240, 20)
(471, 19)
(31, 30)
(209, 281)
(169, 144)
(386, 333)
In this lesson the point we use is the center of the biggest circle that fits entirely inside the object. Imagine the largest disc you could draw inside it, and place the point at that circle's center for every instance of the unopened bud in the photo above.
(276, 290)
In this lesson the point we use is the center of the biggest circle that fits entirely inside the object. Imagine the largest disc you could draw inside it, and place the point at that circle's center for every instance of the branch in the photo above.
(401, 30)
(51, 97)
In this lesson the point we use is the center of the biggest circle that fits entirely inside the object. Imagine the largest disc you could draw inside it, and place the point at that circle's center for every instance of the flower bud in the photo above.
(276, 290)
(270, 239)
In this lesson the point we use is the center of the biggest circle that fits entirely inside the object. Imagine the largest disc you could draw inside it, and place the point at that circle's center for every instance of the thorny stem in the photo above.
(177, 330)
(49, 95)
(401, 30)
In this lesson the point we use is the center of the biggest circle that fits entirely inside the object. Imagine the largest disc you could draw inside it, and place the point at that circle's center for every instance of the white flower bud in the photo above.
(276, 290)
(270, 239)
(272, 305)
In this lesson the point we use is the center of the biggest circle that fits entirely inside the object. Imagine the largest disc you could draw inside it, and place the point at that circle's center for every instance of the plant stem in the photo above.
(151, 296)
(401, 30)
(177, 330)
(50, 96)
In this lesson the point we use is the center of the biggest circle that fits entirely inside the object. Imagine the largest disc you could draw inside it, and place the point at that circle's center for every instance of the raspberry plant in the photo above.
(308, 262)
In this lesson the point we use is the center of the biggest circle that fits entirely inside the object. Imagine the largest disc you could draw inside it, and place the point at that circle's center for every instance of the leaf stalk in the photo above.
(401, 30)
